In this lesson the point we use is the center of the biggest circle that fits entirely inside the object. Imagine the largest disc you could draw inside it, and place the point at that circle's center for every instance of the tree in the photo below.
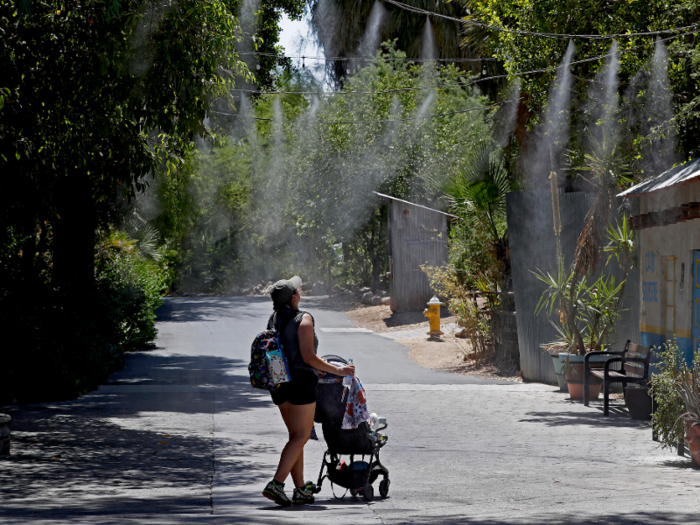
(97, 96)
(94, 98)
(522, 52)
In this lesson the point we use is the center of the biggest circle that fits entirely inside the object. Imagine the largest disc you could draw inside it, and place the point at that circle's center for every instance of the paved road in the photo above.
(178, 436)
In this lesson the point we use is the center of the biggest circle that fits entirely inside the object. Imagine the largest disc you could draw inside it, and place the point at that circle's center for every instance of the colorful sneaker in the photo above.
(275, 492)
(302, 496)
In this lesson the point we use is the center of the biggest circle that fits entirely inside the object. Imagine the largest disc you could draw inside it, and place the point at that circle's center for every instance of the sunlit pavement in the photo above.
(179, 436)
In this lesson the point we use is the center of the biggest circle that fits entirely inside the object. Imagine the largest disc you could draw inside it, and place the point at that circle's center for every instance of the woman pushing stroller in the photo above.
(297, 398)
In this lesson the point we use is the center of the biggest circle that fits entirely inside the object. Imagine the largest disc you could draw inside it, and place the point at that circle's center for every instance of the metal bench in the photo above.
(634, 368)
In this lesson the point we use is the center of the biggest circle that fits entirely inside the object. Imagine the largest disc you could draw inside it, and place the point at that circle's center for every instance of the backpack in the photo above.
(259, 367)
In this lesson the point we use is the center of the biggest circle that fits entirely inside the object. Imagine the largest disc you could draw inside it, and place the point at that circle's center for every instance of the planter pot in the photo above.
(692, 436)
(559, 370)
(639, 402)
(574, 376)
(4, 434)
(554, 352)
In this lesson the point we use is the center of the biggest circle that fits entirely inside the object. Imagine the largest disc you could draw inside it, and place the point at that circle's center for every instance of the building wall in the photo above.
(667, 271)
(417, 236)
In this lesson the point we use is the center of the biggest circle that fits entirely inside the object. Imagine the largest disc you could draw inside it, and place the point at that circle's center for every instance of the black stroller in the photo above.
(356, 476)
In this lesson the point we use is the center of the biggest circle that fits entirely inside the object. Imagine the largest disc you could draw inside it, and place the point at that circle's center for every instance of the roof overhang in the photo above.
(685, 174)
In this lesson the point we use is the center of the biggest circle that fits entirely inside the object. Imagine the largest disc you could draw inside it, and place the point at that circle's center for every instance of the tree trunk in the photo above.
(374, 260)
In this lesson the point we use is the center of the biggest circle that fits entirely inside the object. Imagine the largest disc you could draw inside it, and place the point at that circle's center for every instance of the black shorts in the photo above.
(301, 390)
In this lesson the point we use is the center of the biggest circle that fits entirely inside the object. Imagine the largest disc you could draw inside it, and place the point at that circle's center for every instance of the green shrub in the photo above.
(131, 288)
(667, 421)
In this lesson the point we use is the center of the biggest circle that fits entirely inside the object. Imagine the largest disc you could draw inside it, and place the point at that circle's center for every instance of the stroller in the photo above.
(355, 476)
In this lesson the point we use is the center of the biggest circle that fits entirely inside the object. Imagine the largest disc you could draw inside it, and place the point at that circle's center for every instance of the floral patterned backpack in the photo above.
(261, 374)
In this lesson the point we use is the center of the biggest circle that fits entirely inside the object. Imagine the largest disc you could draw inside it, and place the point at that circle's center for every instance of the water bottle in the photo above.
(347, 380)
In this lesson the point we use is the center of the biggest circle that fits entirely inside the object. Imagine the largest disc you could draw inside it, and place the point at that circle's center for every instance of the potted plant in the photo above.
(676, 391)
(639, 401)
(588, 311)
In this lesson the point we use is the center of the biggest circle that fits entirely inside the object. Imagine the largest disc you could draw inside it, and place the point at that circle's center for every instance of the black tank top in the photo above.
(290, 338)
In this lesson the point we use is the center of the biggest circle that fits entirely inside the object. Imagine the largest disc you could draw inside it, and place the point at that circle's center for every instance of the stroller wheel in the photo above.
(368, 492)
(384, 488)
(353, 493)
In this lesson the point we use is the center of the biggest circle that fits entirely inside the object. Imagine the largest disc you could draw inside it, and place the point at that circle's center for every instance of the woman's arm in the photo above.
(308, 353)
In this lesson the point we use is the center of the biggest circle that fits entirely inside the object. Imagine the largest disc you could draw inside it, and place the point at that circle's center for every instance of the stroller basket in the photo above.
(348, 479)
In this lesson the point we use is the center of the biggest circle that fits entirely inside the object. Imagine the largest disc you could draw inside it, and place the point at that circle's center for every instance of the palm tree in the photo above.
(478, 193)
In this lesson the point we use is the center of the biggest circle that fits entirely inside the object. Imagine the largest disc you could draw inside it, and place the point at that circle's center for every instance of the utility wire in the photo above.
(563, 36)
(426, 117)
(470, 83)
(365, 58)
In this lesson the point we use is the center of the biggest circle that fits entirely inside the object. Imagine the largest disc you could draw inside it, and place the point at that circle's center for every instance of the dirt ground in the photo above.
(448, 353)
(381, 319)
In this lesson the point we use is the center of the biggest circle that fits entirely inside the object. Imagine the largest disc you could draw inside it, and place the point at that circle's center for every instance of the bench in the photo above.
(634, 368)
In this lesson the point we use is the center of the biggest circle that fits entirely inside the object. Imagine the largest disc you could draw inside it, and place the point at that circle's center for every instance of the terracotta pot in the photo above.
(574, 378)
(692, 436)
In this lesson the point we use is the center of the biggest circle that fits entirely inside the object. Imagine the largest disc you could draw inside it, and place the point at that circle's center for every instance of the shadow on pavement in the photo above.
(144, 368)
(592, 419)
(67, 460)
(143, 444)
(201, 309)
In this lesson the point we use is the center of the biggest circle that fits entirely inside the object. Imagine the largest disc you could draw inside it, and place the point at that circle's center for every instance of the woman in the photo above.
(297, 398)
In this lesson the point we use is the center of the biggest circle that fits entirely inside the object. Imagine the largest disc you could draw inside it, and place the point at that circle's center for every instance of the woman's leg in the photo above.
(299, 420)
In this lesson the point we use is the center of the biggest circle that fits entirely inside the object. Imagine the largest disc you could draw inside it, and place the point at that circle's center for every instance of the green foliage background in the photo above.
(295, 193)
(522, 53)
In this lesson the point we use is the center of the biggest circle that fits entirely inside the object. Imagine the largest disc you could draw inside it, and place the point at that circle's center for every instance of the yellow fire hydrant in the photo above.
(433, 315)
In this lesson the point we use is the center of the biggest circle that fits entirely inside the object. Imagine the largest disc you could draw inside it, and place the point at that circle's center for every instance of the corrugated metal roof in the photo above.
(688, 172)
(413, 204)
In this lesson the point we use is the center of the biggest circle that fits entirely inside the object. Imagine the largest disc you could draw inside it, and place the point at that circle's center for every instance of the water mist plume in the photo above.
(602, 109)
(551, 138)
(429, 49)
(247, 18)
(326, 16)
(602, 115)
(506, 117)
(658, 112)
(372, 35)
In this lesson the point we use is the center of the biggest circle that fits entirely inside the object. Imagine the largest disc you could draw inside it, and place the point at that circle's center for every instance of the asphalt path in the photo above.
(179, 436)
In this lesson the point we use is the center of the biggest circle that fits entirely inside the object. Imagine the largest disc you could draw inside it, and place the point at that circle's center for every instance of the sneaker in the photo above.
(275, 492)
(302, 496)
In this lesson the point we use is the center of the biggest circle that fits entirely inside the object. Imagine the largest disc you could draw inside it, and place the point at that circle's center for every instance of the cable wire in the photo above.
(563, 36)
(392, 59)
(470, 83)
